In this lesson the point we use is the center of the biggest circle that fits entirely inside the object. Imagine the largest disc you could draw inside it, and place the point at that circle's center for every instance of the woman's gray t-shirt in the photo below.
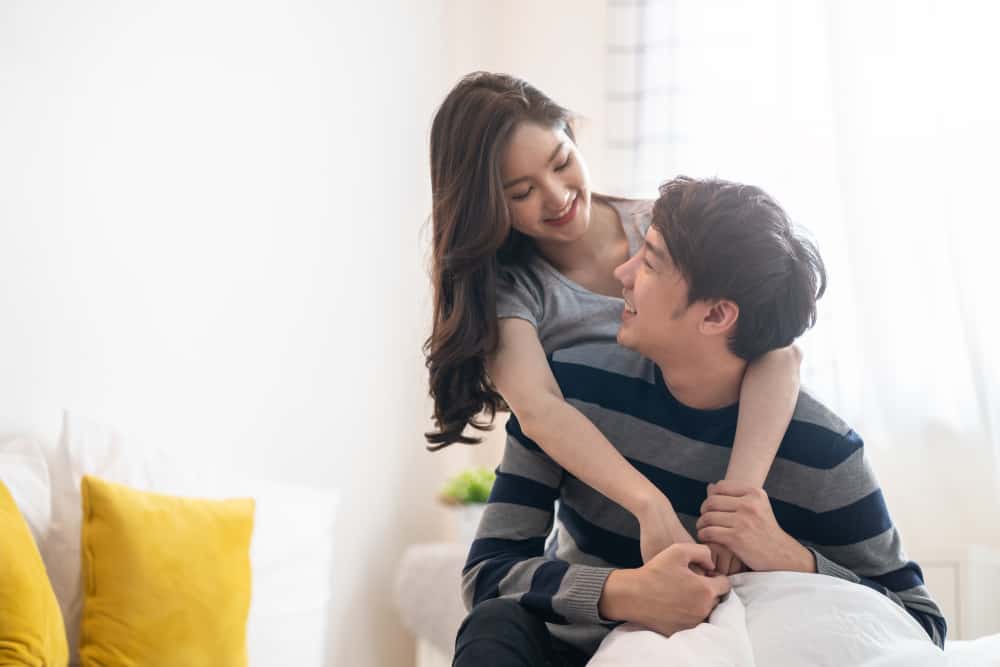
(565, 313)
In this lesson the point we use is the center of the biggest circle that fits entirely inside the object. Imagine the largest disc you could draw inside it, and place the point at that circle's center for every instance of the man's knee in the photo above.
(501, 628)
(491, 615)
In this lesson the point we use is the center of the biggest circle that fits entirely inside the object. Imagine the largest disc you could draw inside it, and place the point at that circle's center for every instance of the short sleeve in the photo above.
(519, 294)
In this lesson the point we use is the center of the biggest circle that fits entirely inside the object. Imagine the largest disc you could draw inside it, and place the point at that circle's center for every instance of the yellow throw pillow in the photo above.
(166, 580)
(31, 625)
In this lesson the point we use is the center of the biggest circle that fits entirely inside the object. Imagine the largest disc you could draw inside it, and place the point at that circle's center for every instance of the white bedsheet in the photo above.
(779, 619)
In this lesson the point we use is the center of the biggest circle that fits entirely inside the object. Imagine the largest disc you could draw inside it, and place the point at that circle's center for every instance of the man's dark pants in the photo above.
(502, 633)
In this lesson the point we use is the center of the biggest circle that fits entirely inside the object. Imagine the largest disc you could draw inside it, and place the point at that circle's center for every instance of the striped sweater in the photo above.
(822, 489)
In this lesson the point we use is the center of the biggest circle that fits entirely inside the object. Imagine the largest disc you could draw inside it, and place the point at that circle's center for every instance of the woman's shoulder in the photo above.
(635, 213)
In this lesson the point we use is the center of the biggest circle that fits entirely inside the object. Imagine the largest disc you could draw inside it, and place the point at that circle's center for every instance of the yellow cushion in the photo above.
(31, 625)
(166, 580)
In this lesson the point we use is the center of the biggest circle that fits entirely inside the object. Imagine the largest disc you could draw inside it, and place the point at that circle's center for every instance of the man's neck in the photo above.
(703, 381)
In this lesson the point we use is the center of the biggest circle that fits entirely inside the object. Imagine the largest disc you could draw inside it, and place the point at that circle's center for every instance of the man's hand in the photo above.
(659, 527)
(726, 561)
(739, 517)
(665, 595)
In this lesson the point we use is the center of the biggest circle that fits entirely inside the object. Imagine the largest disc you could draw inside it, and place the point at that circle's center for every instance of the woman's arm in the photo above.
(521, 374)
(767, 400)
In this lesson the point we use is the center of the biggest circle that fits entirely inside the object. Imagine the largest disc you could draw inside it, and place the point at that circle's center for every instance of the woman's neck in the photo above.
(596, 250)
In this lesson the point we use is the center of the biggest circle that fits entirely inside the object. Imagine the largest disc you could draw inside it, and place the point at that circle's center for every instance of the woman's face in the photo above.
(546, 184)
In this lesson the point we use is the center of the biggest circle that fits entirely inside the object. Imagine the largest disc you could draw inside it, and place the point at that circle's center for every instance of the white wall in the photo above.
(210, 236)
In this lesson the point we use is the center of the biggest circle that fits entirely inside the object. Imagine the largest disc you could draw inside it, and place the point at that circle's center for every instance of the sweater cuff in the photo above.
(581, 593)
(826, 566)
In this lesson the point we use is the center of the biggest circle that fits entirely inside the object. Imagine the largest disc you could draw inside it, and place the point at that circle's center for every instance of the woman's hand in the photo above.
(659, 527)
(725, 560)
(739, 517)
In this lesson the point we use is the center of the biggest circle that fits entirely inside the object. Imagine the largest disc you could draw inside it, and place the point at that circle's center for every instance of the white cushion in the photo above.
(25, 473)
(291, 551)
(784, 619)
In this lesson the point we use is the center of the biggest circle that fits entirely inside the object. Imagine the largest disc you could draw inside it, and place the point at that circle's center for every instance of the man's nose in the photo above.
(624, 272)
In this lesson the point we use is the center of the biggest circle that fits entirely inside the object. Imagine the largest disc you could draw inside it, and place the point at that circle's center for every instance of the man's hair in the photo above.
(732, 241)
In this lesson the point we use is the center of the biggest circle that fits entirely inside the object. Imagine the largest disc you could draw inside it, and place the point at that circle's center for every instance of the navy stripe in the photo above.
(804, 443)
(846, 525)
(905, 578)
(489, 577)
(843, 526)
(544, 585)
(618, 550)
(875, 586)
(514, 429)
(495, 547)
(931, 624)
(685, 494)
(518, 490)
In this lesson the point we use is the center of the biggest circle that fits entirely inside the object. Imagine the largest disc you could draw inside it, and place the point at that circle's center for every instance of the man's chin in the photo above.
(625, 340)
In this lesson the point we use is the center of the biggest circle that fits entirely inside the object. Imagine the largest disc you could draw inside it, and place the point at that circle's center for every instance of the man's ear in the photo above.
(720, 318)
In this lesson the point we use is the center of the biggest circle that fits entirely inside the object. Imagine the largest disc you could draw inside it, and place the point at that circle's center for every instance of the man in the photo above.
(721, 278)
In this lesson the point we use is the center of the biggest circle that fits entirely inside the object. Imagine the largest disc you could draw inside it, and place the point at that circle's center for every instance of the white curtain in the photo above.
(876, 124)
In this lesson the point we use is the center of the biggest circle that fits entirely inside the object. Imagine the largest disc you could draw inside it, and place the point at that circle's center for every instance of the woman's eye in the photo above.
(569, 158)
(523, 195)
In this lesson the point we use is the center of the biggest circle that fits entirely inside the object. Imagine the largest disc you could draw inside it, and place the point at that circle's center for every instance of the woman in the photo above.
(523, 255)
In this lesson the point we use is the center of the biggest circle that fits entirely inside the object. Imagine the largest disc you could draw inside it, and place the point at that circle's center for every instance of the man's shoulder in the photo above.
(818, 438)
(810, 410)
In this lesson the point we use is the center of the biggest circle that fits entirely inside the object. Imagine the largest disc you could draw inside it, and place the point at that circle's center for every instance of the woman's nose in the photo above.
(556, 197)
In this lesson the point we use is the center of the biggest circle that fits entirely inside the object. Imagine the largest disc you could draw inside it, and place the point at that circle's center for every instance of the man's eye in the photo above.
(523, 195)
(569, 158)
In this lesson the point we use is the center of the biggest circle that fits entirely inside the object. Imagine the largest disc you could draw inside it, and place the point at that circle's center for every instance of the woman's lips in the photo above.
(570, 214)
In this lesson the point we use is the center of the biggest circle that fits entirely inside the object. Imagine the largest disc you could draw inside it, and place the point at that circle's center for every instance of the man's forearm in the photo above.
(805, 560)
(614, 603)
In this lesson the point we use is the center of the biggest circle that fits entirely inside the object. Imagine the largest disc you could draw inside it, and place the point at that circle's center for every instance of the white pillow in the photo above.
(25, 473)
(291, 550)
(784, 619)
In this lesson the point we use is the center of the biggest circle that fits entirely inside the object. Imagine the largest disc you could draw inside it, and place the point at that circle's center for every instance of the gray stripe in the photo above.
(536, 466)
(613, 358)
(868, 557)
(469, 584)
(810, 488)
(811, 411)
(518, 579)
(919, 598)
(579, 592)
(609, 358)
(598, 510)
(507, 521)
(570, 552)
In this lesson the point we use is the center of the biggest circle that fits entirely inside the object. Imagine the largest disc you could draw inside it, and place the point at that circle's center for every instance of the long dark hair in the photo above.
(472, 238)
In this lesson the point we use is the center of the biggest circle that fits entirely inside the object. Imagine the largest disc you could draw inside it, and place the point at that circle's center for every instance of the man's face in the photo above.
(656, 313)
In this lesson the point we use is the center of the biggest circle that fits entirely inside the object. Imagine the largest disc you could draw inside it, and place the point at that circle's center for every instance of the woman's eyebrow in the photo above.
(525, 178)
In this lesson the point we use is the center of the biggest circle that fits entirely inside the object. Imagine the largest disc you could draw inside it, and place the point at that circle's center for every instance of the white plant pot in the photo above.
(467, 521)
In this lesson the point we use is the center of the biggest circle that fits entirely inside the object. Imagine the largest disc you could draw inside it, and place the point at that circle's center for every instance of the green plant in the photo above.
(469, 486)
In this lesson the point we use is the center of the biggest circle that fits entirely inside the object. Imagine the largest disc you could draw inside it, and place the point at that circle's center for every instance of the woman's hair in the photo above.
(472, 237)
